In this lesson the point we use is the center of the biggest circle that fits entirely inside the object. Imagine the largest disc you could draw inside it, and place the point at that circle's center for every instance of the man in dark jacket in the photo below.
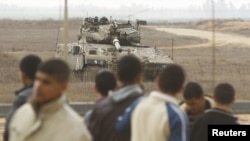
(28, 66)
(104, 82)
(221, 114)
(195, 102)
(105, 113)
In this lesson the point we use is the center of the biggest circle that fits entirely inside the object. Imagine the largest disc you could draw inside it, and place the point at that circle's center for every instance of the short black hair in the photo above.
(129, 66)
(224, 93)
(171, 78)
(28, 65)
(105, 80)
(192, 90)
(57, 68)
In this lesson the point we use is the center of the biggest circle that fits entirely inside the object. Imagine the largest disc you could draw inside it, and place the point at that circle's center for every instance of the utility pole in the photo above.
(172, 49)
(65, 30)
(213, 45)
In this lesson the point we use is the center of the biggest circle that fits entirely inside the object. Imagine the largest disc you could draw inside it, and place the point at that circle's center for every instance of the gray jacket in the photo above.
(21, 98)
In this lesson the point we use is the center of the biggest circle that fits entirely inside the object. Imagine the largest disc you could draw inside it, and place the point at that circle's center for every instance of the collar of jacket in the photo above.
(23, 89)
(164, 97)
(217, 110)
(52, 106)
(125, 92)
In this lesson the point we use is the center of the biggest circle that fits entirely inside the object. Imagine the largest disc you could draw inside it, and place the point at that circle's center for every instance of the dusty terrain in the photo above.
(220, 38)
(192, 50)
(232, 51)
(19, 38)
(236, 26)
(232, 59)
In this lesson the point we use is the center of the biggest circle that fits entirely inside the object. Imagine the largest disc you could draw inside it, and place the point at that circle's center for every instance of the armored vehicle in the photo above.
(102, 42)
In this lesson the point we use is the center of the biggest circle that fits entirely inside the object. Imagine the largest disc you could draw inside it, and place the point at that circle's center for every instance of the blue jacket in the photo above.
(156, 117)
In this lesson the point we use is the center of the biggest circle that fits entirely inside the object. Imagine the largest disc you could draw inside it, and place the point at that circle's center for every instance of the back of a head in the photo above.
(105, 81)
(28, 65)
(171, 79)
(224, 93)
(56, 68)
(192, 90)
(129, 67)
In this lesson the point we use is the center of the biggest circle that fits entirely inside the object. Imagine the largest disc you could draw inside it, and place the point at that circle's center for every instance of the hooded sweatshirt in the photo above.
(105, 114)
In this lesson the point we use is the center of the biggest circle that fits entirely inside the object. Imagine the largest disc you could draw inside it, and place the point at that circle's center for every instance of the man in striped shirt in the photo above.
(158, 117)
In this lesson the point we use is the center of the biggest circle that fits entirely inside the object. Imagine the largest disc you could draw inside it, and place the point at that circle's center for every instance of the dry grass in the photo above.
(19, 38)
(160, 38)
(8, 69)
(232, 66)
(235, 26)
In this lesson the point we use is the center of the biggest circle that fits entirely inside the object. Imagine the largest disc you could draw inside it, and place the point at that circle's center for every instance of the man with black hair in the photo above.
(158, 117)
(47, 116)
(105, 113)
(27, 67)
(224, 95)
(195, 102)
(105, 81)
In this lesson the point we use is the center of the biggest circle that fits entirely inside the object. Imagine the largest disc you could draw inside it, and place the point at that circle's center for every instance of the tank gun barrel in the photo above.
(117, 45)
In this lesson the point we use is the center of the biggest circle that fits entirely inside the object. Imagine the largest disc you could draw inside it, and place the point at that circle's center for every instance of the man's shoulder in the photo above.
(24, 115)
(107, 105)
(71, 114)
(26, 93)
(25, 108)
(104, 106)
(210, 101)
(74, 121)
(25, 111)
(183, 107)
(174, 110)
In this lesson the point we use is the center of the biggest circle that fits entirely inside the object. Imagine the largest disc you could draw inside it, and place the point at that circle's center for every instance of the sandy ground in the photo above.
(192, 50)
(19, 38)
(219, 37)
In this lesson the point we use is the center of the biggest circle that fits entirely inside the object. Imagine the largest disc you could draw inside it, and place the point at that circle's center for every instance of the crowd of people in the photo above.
(124, 111)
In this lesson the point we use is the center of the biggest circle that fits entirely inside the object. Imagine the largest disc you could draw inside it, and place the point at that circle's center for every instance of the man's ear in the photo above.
(203, 97)
(213, 97)
(23, 77)
(96, 89)
(64, 86)
(233, 100)
(157, 81)
(181, 89)
(138, 78)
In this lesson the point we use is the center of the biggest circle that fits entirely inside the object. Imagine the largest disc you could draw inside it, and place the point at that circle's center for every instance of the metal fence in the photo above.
(239, 107)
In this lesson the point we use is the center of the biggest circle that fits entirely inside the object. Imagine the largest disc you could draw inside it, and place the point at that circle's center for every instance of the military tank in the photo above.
(102, 42)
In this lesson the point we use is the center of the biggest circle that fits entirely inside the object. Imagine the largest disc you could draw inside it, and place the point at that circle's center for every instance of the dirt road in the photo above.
(220, 37)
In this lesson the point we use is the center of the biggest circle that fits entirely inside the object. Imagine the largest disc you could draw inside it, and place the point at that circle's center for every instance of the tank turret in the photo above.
(104, 31)
(102, 42)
